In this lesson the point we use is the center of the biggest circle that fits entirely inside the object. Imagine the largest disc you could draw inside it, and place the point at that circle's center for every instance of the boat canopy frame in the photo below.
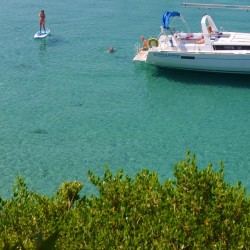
(166, 23)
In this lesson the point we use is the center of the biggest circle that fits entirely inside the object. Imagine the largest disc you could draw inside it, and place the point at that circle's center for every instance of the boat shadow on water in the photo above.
(203, 78)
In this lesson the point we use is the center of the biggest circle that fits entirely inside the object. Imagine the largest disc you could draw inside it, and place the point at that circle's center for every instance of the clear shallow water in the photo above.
(67, 106)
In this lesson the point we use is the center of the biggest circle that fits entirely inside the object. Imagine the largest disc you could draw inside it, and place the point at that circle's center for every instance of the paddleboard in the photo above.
(42, 34)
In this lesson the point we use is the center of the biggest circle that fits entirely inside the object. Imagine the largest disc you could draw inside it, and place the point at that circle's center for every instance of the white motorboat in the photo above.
(210, 50)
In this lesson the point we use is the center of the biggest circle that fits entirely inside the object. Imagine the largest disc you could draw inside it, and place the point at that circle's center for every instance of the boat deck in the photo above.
(141, 56)
(242, 38)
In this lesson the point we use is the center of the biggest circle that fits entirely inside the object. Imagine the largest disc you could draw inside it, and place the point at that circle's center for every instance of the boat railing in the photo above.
(137, 48)
(221, 29)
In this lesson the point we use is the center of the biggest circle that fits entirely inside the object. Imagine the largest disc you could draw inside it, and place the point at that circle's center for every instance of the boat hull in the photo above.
(210, 62)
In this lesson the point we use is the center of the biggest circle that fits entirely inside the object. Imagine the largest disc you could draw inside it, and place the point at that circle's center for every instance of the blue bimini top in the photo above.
(166, 17)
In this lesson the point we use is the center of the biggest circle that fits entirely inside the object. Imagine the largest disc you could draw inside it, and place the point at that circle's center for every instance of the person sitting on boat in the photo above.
(202, 40)
(209, 30)
(144, 43)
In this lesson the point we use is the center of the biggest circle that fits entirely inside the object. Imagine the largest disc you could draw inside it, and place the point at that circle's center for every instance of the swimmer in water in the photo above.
(111, 50)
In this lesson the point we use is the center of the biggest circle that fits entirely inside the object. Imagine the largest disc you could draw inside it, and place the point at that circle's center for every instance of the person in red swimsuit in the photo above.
(42, 21)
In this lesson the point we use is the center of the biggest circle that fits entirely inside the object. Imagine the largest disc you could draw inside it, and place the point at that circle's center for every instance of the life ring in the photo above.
(153, 40)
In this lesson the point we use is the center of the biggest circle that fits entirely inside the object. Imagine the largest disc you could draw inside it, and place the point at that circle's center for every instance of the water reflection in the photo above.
(42, 50)
(43, 45)
(49, 41)
(54, 41)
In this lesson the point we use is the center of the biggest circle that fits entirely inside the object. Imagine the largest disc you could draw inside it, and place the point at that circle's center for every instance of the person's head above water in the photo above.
(111, 50)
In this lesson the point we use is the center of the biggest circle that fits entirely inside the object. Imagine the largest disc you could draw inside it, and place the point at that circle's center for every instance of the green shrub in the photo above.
(196, 210)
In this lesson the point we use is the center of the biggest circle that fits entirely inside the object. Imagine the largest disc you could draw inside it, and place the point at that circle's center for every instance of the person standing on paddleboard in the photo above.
(42, 21)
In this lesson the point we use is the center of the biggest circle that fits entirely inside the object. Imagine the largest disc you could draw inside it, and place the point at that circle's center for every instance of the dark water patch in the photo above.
(39, 131)
(78, 105)
(50, 41)
(54, 41)
(24, 66)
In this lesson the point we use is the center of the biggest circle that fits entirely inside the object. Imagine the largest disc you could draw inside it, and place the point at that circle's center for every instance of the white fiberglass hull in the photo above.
(201, 61)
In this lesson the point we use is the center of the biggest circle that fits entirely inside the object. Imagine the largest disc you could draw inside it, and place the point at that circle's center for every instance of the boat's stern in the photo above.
(141, 56)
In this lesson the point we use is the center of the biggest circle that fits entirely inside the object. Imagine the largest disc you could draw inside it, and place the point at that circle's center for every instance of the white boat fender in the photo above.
(153, 40)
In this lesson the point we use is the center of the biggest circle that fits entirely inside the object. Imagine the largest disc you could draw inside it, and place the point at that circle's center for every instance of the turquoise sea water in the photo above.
(67, 105)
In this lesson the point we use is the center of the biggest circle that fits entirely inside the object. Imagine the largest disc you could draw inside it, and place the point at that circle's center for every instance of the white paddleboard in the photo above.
(42, 34)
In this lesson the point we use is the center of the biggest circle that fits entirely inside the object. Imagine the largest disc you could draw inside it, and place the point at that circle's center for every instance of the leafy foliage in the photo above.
(196, 210)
